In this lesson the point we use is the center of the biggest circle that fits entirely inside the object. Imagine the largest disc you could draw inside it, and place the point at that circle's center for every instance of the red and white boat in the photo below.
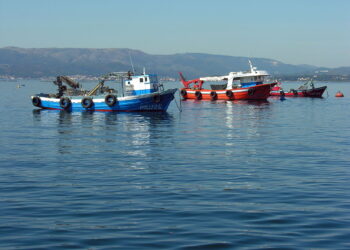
(248, 85)
(306, 90)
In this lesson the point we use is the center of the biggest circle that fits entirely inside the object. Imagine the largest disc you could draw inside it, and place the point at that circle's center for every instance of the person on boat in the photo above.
(312, 84)
(129, 75)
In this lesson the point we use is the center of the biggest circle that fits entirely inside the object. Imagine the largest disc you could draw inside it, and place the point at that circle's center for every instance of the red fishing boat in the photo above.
(306, 90)
(248, 85)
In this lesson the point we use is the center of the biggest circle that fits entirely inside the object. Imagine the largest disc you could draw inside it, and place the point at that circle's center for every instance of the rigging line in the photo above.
(178, 107)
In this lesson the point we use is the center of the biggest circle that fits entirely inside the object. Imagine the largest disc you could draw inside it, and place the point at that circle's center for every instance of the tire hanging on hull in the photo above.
(183, 93)
(110, 100)
(213, 96)
(36, 101)
(229, 94)
(87, 102)
(65, 103)
(198, 95)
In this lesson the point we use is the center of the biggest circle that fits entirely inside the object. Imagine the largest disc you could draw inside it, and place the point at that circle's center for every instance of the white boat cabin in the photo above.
(141, 84)
(248, 78)
(241, 79)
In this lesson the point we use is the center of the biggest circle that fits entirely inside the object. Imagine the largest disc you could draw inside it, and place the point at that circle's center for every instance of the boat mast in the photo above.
(251, 66)
(132, 65)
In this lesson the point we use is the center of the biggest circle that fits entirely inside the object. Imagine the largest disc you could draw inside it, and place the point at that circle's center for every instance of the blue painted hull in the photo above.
(157, 101)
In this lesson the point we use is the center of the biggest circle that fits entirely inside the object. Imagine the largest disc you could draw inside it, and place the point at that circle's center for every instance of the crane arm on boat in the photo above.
(109, 76)
(62, 88)
(66, 79)
(197, 83)
(98, 86)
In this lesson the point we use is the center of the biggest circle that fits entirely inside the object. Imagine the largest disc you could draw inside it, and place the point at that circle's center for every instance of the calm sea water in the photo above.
(247, 175)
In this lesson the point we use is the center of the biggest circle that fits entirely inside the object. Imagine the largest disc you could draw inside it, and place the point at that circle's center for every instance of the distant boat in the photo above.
(248, 85)
(308, 89)
(139, 93)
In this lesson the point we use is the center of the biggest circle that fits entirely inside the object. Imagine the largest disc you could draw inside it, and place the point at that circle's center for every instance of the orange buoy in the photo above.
(339, 94)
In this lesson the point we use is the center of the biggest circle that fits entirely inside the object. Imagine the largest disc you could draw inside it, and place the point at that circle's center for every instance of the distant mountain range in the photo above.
(44, 62)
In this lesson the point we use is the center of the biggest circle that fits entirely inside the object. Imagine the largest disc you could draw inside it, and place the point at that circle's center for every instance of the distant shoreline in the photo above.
(89, 64)
(165, 80)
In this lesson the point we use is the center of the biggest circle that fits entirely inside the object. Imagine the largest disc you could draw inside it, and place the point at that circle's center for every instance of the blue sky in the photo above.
(292, 31)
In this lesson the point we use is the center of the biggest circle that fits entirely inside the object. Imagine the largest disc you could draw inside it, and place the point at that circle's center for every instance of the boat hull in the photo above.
(258, 92)
(316, 93)
(157, 101)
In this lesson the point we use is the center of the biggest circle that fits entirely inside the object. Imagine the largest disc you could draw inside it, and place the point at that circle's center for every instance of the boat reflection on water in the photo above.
(244, 122)
(229, 129)
(89, 133)
(238, 102)
(241, 110)
(245, 114)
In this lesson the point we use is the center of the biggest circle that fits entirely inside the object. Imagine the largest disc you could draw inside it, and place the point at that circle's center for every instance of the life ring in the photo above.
(229, 94)
(65, 103)
(36, 101)
(87, 102)
(198, 95)
(183, 93)
(156, 98)
(110, 100)
(251, 91)
(213, 95)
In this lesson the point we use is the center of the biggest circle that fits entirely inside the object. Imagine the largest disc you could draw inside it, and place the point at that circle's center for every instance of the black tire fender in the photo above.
(36, 101)
(229, 94)
(65, 103)
(198, 95)
(110, 100)
(87, 102)
(213, 95)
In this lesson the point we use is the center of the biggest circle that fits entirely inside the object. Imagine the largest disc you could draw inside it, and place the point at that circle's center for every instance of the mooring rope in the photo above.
(179, 107)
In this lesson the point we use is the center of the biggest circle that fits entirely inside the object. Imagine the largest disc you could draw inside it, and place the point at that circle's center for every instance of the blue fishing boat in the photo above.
(136, 93)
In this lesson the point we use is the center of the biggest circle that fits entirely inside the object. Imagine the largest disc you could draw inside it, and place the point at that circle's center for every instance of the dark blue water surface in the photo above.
(248, 175)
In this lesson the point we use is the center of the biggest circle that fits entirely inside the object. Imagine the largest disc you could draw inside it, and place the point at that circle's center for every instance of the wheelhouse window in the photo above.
(141, 79)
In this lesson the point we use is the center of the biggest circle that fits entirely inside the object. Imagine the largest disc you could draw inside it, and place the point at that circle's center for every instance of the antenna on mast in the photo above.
(132, 65)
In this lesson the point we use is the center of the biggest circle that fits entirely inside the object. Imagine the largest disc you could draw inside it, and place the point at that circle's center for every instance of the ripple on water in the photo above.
(219, 175)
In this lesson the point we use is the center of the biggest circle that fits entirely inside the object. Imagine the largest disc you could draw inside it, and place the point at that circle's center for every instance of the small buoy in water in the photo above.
(339, 94)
